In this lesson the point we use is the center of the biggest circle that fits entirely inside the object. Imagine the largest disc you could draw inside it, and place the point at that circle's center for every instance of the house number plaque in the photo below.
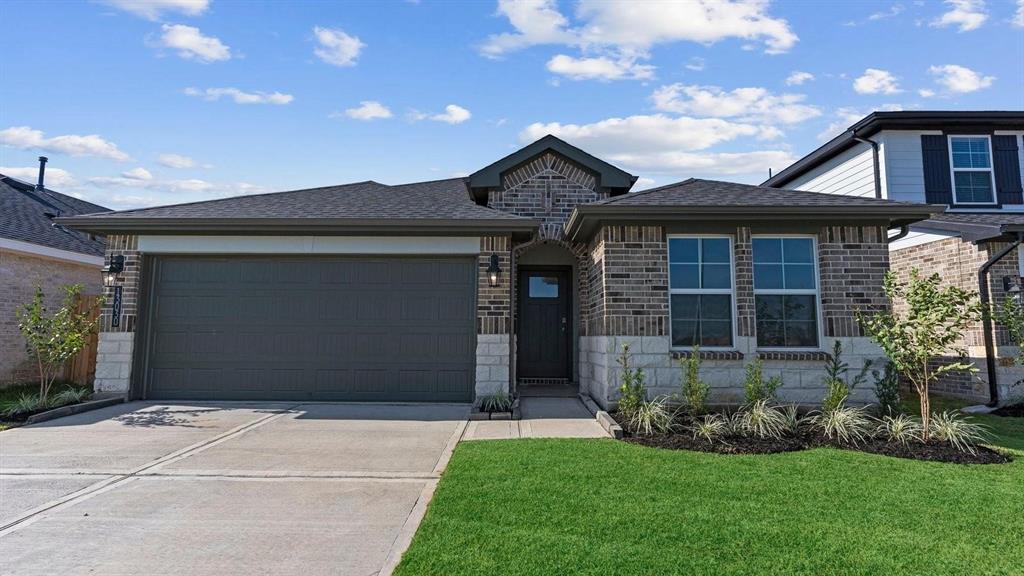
(115, 312)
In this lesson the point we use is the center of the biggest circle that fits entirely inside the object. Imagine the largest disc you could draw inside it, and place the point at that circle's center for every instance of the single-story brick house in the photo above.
(527, 276)
(35, 252)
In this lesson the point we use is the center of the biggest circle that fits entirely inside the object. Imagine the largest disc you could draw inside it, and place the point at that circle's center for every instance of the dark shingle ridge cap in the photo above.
(862, 200)
(230, 198)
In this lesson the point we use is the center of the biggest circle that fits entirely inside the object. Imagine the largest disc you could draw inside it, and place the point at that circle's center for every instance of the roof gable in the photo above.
(27, 215)
(608, 177)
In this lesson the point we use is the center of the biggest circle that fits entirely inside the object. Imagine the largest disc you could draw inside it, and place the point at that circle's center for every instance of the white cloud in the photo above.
(746, 104)
(240, 97)
(367, 110)
(192, 45)
(600, 68)
(925, 93)
(662, 144)
(875, 81)
(56, 178)
(893, 11)
(453, 114)
(697, 64)
(536, 22)
(798, 78)
(139, 173)
(1018, 16)
(336, 47)
(847, 116)
(622, 32)
(959, 79)
(643, 183)
(154, 9)
(124, 192)
(25, 138)
(967, 15)
(175, 161)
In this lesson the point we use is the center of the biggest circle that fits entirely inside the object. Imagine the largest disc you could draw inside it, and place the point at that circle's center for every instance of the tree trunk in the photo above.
(926, 406)
(43, 388)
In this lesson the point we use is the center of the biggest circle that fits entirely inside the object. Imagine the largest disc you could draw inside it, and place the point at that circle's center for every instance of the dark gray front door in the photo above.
(542, 341)
(311, 328)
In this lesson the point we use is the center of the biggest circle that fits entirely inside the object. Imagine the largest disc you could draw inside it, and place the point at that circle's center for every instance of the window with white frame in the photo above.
(785, 292)
(700, 291)
(971, 164)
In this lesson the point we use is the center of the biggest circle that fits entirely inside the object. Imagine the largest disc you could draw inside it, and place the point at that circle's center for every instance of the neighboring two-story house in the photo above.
(970, 162)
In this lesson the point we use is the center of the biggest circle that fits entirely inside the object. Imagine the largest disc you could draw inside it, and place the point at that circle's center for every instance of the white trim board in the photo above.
(160, 244)
(46, 252)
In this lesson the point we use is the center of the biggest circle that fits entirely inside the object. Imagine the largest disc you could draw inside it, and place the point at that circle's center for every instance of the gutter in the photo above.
(904, 230)
(874, 162)
(990, 347)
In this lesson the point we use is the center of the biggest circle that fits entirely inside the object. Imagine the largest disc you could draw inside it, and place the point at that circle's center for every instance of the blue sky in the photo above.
(144, 103)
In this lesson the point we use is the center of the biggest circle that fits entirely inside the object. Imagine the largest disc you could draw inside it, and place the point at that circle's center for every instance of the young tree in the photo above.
(927, 327)
(53, 340)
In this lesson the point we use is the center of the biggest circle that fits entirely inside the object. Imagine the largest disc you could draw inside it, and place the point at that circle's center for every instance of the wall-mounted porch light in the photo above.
(494, 271)
(113, 267)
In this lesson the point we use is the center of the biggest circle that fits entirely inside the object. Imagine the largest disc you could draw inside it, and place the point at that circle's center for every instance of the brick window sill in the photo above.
(805, 356)
(709, 354)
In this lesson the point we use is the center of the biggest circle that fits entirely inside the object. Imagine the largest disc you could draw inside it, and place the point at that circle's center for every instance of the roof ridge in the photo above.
(194, 202)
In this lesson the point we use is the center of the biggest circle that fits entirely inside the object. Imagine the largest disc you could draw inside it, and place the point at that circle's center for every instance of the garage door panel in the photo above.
(317, 328)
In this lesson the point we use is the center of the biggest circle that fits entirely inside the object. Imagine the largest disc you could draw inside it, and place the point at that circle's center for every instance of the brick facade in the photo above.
(494, 304)
(852, 262)
(126, 246)
(630, 288)
(19, 275)
(547, 188)
(957, 262)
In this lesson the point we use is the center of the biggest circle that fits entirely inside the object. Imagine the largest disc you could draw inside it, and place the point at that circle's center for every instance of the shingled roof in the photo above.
(362, 206)
(27, 215)
(976, 226)
(712, 200)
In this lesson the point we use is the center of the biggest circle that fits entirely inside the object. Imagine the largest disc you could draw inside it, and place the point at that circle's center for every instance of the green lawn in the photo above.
(605, 507)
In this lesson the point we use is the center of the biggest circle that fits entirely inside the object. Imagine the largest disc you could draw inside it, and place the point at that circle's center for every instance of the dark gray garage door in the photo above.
(311, 328)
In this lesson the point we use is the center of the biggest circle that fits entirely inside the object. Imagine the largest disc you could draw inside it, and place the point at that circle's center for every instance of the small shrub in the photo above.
(711, 427)
(887, 389)
(632, 391)
(695, 390)
(900, 428)
(792, 421)
(958, 430)
(28, 402)
(839, 388)
(845, 424)
(734, 424)
(651, 416)
(762, 421)
(500, 402)
(755, 386)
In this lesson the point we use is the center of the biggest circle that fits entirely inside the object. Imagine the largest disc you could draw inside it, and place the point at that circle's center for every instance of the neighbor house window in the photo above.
(971, 163)
(700, 291)
(785, 292)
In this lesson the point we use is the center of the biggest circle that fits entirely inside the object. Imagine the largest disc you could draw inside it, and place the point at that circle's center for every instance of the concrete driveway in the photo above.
(221, 488)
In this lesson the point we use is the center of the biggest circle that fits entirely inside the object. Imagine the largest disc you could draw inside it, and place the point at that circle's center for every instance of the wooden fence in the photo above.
(82, 368)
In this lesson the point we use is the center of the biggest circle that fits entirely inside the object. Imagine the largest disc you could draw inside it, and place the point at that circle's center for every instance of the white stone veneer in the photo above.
(492, 361)
(114, 362)
(803, 381)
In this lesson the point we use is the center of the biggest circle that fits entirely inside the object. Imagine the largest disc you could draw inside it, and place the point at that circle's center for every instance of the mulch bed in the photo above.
(1011, 411)
(933, 451)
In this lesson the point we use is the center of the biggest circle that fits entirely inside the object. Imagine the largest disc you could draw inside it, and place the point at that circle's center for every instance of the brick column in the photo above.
(494, 317)
(116, 343)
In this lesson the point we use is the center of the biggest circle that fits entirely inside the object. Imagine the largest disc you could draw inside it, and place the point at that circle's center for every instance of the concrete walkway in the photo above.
(541, 418)
(221, 488)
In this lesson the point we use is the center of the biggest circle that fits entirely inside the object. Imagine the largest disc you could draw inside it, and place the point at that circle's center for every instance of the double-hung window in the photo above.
(700, 287)
(785, 292)
(971, 164)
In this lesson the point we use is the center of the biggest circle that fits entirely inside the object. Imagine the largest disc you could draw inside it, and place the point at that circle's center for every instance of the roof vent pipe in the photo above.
(42, 173)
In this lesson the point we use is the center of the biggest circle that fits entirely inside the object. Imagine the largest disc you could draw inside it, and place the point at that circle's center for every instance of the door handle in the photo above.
(564, 323)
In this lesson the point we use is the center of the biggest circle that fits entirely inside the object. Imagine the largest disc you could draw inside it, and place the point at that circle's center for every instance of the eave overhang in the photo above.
(586, 220)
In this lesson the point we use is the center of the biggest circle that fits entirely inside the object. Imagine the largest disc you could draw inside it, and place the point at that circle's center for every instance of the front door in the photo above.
(542, 345)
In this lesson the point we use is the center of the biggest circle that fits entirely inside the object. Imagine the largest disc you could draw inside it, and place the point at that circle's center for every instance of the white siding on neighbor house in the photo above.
(903, 177)
(850, 173)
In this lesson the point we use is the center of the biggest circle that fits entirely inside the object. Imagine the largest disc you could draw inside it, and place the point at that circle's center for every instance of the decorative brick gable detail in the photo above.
(632, 298)
(129, 280)
(494, 304)
(546, 188)
(852, 262)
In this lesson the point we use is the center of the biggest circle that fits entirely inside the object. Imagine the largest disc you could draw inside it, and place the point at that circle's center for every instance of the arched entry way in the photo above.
(547, 312)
